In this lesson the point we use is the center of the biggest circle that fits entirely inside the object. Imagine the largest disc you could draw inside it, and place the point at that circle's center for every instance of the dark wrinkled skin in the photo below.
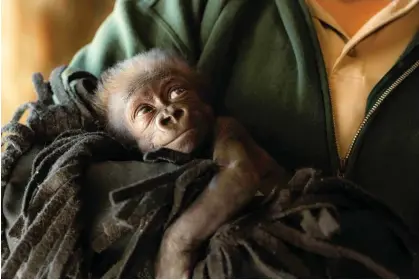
(160, 105)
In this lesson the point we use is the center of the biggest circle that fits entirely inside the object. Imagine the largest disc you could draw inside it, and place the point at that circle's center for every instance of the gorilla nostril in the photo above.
(165, 121)
(178, 114)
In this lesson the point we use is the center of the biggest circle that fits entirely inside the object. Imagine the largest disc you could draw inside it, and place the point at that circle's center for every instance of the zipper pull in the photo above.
(342, 168)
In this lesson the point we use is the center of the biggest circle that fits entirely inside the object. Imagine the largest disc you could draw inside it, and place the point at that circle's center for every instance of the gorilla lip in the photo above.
(184, 134)
(181, 136)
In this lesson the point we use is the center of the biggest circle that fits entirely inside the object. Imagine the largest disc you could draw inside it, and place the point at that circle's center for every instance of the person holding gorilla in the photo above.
(327, 84)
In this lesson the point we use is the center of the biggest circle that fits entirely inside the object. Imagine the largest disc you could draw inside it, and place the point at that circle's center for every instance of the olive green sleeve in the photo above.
(135, 26)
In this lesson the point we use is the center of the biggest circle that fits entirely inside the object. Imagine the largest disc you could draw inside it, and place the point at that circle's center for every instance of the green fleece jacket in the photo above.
(265, 65)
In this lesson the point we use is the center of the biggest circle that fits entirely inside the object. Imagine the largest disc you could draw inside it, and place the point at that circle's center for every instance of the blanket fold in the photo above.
(317, 227)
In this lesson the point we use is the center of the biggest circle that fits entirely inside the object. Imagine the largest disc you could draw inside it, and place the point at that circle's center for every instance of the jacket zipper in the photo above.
(343, 161)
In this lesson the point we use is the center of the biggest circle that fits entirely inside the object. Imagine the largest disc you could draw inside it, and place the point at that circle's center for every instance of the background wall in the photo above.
(37, 36)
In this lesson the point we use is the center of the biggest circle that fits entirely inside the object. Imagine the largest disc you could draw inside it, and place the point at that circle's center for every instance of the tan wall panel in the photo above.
(37, 36)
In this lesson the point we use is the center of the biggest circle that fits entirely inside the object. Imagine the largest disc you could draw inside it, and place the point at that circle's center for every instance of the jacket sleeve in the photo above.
(135, 26)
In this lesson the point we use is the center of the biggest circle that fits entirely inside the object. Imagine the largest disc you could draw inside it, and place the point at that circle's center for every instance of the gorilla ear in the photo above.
(87, 86)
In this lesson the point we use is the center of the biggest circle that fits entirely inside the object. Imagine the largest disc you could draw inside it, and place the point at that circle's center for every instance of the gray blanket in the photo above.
(68, 225)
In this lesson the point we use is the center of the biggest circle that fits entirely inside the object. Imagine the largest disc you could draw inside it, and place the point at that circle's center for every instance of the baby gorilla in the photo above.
(156, 100)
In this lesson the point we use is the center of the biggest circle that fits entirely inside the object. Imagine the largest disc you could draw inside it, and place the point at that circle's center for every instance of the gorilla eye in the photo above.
(144, 109)
(174, 93)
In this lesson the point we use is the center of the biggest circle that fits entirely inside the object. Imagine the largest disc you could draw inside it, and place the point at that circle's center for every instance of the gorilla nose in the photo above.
(171, 116)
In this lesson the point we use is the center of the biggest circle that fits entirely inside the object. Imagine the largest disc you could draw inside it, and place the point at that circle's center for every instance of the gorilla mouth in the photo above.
(182, 136)
(185, 134)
